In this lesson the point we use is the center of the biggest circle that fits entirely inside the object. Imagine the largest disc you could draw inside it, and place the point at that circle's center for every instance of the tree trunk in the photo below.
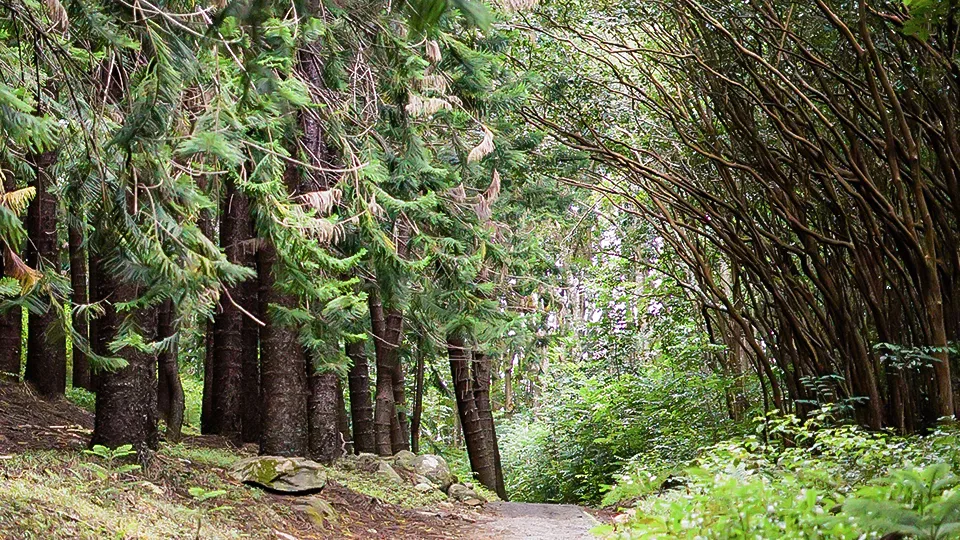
(417, 400)
(206, 225)
(11, 321)
(126, 397)
(481, 394)
(323, 408)
(343, 423)
(46, 348)
(361, 405)
(228, 326)
(78, 281)
(250, 383)
(283, 376)
(170, 400)
(508, 385)
(482, 460)
(97, 342)
(400, 432)
(385, 413)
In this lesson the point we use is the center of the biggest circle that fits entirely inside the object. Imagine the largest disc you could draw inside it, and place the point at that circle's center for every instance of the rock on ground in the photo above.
(281, 474)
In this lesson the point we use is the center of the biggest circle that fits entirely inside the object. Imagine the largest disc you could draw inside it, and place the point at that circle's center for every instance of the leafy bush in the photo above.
(810, 479)
(82, 398)
(596, 426)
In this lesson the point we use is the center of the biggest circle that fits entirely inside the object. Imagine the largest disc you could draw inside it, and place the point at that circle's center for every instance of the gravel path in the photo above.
(527, 521)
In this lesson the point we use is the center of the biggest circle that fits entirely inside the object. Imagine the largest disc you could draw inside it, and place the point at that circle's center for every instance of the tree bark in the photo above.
(345, 444)
(250, 383)
(417, 400)
(206, 225)
(385, 413)
(46, 348)
(11, 321)
(125, 407)
(170, 397)
(482, 460)
(78, 281)
(228, 327)
(361, 404)
(283, 376)
(323, 412)
(481, 393)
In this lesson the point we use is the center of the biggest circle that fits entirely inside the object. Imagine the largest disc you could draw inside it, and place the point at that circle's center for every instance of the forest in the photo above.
(480, 269)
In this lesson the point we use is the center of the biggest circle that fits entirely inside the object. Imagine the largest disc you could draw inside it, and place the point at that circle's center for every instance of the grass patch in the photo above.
(384, 490)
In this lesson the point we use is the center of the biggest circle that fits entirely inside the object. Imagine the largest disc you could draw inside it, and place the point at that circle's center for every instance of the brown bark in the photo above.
(250, 379)
(361, 404)
(417, 399)
(11, 320)
(46, 365)
(206, 225)
(126, 406)
(384, 415)
(482, 460)
(323, 414)
(481, 393)
(78, 281)
(228, 328)
(170, 398)
(283, 368)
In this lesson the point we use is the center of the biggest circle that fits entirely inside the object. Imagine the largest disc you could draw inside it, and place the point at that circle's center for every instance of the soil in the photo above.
(29, 423)
(529, 521)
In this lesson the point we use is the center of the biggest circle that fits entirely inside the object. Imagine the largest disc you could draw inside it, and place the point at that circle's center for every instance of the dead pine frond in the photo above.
(484, 148)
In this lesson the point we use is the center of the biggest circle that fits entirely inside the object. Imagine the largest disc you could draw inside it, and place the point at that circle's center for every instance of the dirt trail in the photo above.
(528, 521)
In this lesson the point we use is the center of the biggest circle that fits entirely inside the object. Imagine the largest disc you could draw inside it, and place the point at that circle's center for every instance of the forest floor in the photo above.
(50, 488)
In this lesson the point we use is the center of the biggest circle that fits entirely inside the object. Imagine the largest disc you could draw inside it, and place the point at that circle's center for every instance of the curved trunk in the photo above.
(170, 398)
(481, 455)
(46, 348)
(481, 393)
(361, 405)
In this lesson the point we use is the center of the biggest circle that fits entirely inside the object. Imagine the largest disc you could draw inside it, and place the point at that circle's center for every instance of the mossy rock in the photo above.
(435, 469)
(281, 474)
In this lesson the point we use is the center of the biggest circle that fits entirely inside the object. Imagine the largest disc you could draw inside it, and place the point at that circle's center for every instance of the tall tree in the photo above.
(229, 350)
(46, 346)
(361, 405)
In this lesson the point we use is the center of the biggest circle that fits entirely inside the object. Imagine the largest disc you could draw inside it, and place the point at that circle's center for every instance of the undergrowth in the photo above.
(804, 480)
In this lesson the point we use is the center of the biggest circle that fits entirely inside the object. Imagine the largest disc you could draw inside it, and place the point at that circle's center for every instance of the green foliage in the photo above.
(593, 428)
(83, 398)
(922, 503)
(814, 479)
(114, 461)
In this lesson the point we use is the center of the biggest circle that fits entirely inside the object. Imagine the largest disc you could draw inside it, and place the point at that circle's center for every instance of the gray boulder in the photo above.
(465, 495)
(281, 474)
(404, 460)
(384, 470)
(435, 469)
